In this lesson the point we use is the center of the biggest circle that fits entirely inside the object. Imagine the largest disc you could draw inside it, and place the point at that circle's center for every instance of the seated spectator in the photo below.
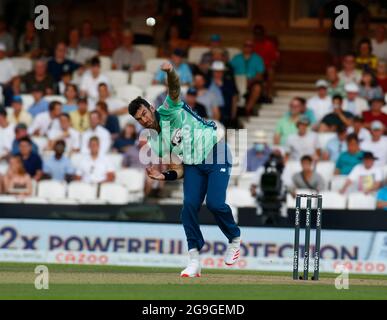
(308, 178)
(359, 129)
(336, 86)
(127, 138)
(71, 95)
(381, 198)
(88, 39)
(80, 118)
(350, 158)
(76, 52)
(66, 80)
(249, 64)
(21, 132)
(182, 69)
(8, 74)
(112, 38)
(29, 42)
(115, 106)
(377, 145)
(207, 98)
(365, 177)
(58, 167)
(96, 130)
(379, 43)
(40, 104)
(350, 74)
(259, 154)
(228, 90)
(173, 41)
(59, 64)
(38, 78)
(191, 100)
(287, 125)
(207, 59)
(32, 161)
(321, 103)
(336, 145)
(369, 88)
(94, 167)
(381, 75)
(354, 103)
(91, 80)
(303, 142)
(6, 38)
(338, 118)
(375, 113)
(66, 133)
(46, 121)
(127, 57)
(17, 181)
(108, 121)
(7, 134)
(365, 60)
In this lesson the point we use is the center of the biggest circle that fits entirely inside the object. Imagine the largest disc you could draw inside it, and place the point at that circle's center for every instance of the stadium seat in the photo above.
(326, 170)
(148, 51)
(291, 168)
(9, 199)
(361, 201)
(106, 63)
(41, 143)
(22, 65)
(324, 138)
(134, 182)
(334, 200)
(28, 100)
(64, 202)
(246, 179)
(3, 167)
(35, 200)
(232, 52)
(61, 99)
(239, 197)
(76, 159)
(82, 192)
(385, 173)
(142, 79)
(117, 78)
(114, 193)
(51, 190)
(153, 65)
(337, 183)
(128, 92)
(125, 119)
(195, 54)
(116, 160)
(241, 83)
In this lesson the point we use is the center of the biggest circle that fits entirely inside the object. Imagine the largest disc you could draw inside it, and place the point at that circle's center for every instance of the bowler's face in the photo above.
(146, 117)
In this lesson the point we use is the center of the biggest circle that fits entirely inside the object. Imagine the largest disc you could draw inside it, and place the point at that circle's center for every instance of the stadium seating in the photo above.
(324, 139)
(22, 65)
(232, 52)
(117, 78)
(153, 65)
(142, 79)
(106, 63)
(334, 200)
(82, 192)
(238, 197)
(35, 200)
(9, 199)
(337, 183)
(134, 182)
(152, 92)
(148, 51)
(28, 100)
(113, 193)
(128, 92)
(326, 170)
(361, 201)
(116, 160)
(52, 190)
(41, 143)
(52, 98)
(195, 54)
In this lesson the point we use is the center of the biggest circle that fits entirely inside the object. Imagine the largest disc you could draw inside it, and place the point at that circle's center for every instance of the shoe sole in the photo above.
(188, 276)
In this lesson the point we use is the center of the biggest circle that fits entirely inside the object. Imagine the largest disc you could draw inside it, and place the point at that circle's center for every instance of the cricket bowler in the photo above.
(205, 166)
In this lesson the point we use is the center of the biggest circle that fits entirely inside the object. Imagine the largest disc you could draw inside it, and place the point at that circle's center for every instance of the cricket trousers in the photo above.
(210, 181)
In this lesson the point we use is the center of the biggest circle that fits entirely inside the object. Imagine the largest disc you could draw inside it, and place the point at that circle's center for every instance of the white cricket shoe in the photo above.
(193, 269)
(233, 252)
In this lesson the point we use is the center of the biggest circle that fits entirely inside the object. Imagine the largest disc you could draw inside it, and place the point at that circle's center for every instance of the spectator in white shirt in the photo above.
(7, 135)
(75, 51)
(350, 74)
(377, 145)
(96, 130)
(94, 167)
(379, 43)
(116, 106)
(303, 142)
(354, 103)
(359, 129)
(66, 133)
(46, 121)
(7, 74)
(91, 80)
(321, 104)
(365, 177)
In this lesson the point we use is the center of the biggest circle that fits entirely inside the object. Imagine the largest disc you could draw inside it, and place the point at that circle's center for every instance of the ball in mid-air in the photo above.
(151, 22)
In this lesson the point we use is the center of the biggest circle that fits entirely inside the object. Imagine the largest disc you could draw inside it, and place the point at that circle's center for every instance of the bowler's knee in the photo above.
(215, 206)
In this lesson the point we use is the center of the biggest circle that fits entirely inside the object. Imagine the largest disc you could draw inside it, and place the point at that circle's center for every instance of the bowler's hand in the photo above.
(155, 174)
(167, 67)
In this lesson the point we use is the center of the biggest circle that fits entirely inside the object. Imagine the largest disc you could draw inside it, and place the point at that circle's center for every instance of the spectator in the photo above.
(67, 79)
(18, 114)
(21, 132)
(303, 142)
(32, 161)
(96, 130)
(229, 93)
(91, 80)
(46, 121)
(321, 103)
(8, 73)
(17, 181)
(359, 129)
(377, 144)
(207, 98)
(75, 51)
(108, 121)
(379, 43)
(6, 38)
(58, 167)
(29, 42)
(308, 178)
(208, 57)
(127, 57)
(111, 39)
(350, 74)
(338, 118)
(336, 86)
(375, 113)
(66, 133)
(7, 134)
(381, 198)
(305, 112)
(88, 40)
(40, 104)
(80, 118)
(350, 158)
(336, 146)
(259, 154)
(181, 68)
(38, 78)
(381, 75)
(353, 103)
(369, 88)
(115, 106)
(365, 60)
(287, 124)
(191, 100)
(58, 64)
(173, 41)
(126, 139)
(366, 177)
(249, 64)
(94, 167)
(71, 95)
